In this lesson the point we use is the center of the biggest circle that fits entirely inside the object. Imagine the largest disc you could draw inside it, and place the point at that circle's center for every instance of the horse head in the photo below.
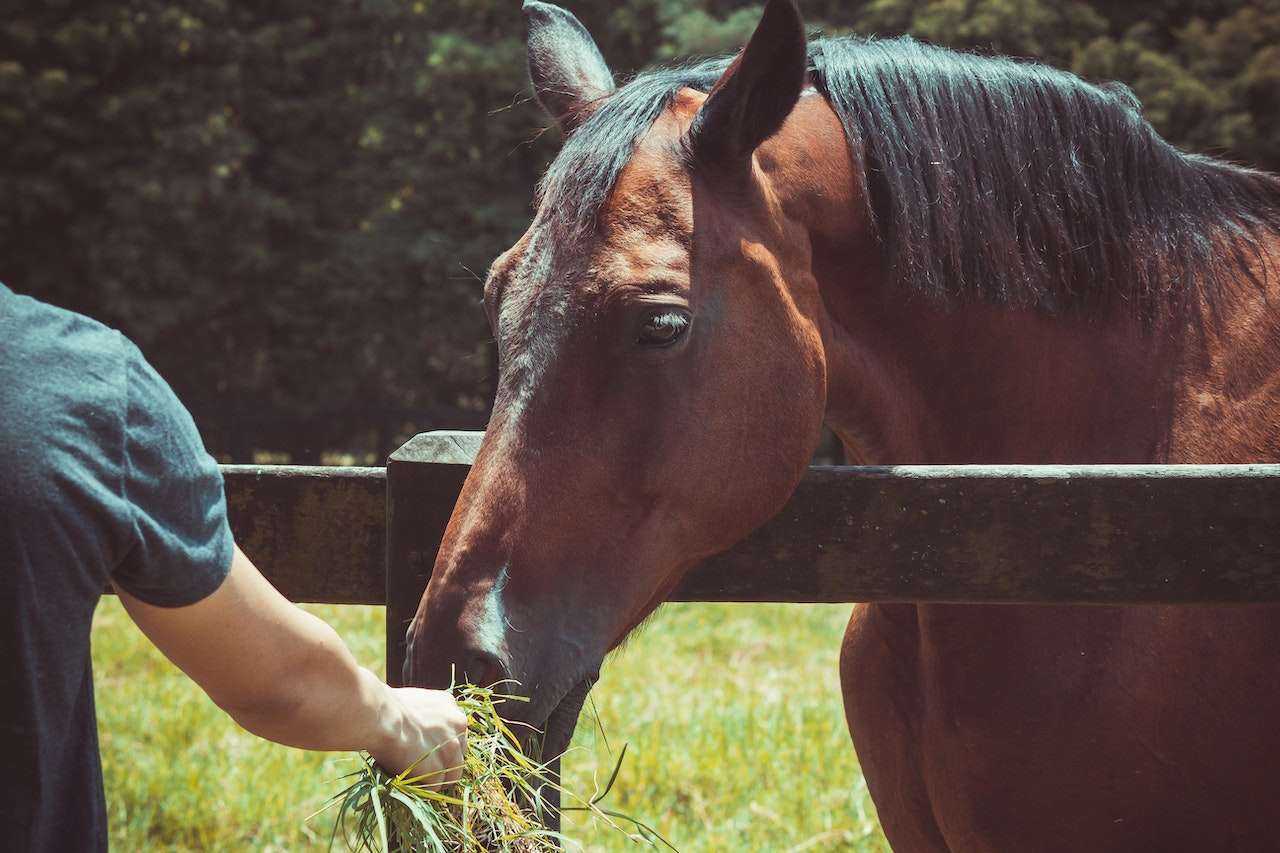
(662, 376)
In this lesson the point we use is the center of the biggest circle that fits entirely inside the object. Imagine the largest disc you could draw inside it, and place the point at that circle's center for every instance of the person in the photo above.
(104, 478)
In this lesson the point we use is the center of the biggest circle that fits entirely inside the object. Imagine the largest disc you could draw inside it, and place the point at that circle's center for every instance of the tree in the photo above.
(289, 205)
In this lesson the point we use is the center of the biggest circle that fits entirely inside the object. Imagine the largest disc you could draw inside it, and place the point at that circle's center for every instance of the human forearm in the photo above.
(321, 699)
(285, 675)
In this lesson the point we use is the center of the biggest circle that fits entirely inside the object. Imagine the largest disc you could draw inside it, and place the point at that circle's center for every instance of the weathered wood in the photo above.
(424, 478)
(1080, 534)
(1029, 533)
(318, 534)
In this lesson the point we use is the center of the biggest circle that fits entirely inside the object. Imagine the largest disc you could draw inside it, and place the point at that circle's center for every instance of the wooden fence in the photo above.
(1098, 534)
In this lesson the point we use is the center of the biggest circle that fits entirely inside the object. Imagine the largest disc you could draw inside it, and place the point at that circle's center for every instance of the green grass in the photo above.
(732, 713)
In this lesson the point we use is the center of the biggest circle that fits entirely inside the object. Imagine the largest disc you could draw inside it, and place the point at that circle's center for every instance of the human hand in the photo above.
(427, 731)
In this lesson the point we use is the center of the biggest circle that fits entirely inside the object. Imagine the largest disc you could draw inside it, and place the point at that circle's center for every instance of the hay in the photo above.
(496, 806)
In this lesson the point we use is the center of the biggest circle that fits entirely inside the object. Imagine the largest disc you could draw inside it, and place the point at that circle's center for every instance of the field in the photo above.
(732, 713)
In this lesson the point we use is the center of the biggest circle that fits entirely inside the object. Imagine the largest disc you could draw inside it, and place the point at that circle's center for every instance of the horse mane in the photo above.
(986, 176)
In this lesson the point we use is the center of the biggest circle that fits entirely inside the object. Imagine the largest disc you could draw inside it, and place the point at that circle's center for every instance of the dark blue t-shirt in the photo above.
(103, 478)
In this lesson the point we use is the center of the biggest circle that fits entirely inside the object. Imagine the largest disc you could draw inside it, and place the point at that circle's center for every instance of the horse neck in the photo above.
(913, 381)
(910, 380)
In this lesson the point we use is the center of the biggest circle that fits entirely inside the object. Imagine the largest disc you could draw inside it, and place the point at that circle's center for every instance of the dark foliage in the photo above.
(281, 202)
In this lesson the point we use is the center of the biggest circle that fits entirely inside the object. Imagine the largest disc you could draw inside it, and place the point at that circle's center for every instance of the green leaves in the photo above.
(288, 205)
(495, 807)
(264, 195)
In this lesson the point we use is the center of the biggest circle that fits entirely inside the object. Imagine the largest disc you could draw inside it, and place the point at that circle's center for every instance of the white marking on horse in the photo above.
(491, 630)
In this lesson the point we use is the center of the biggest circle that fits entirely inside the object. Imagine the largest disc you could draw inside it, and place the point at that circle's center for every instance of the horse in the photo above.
(945, 258)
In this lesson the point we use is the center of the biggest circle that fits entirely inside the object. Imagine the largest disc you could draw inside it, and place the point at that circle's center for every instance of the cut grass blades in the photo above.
(497, 805)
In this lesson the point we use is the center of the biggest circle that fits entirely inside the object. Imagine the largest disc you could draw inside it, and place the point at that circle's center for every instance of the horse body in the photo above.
(1059, 728)
(1035, 727)
(1101, 728)
(1029, 727)
(727, 256)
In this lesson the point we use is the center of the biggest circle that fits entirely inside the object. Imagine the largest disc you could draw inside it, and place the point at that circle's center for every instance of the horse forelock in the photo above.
(986, 176)
(533, 314)
(581, 178)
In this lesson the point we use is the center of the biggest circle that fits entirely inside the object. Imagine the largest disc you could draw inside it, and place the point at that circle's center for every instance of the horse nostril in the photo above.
(406, 668)
(482, 668)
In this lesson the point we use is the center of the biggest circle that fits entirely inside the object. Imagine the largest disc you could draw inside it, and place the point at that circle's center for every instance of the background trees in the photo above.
(289, 205)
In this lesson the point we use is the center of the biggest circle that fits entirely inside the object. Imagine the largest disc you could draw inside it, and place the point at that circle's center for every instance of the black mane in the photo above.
(1011, 180)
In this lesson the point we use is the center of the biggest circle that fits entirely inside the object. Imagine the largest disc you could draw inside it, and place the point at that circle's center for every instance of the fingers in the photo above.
(452, 737)
(433, 736)
(454, 742)
(451, 755)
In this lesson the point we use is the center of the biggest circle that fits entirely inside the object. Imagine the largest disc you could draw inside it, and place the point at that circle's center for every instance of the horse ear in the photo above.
(568, 73)
(757, 91)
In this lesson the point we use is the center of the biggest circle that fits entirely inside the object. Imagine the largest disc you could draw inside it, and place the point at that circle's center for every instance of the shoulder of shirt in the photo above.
(66, 329)
(67, 368)
(65, 379)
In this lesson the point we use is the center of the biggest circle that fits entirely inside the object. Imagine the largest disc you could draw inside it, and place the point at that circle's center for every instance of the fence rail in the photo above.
(1074, 534)
(319, 534)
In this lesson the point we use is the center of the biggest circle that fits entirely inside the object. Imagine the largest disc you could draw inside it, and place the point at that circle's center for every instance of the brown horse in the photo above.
(946, 258)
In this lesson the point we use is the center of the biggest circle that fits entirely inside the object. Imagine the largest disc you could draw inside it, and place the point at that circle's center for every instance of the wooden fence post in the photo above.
(423, 480)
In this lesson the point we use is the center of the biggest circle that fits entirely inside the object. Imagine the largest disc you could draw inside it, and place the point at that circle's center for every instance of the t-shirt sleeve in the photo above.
(181, 543)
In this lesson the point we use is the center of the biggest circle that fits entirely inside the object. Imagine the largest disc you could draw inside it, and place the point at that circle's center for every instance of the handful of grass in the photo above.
(498, 805)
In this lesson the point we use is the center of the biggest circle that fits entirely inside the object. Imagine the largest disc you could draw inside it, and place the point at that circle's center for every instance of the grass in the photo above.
(497, 804)
(732, 714)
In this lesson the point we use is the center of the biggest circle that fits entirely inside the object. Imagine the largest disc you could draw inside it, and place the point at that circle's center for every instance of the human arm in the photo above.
(285, 675)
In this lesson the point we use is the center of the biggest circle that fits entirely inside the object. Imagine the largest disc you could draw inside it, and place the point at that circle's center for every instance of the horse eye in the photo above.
(662, 328)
